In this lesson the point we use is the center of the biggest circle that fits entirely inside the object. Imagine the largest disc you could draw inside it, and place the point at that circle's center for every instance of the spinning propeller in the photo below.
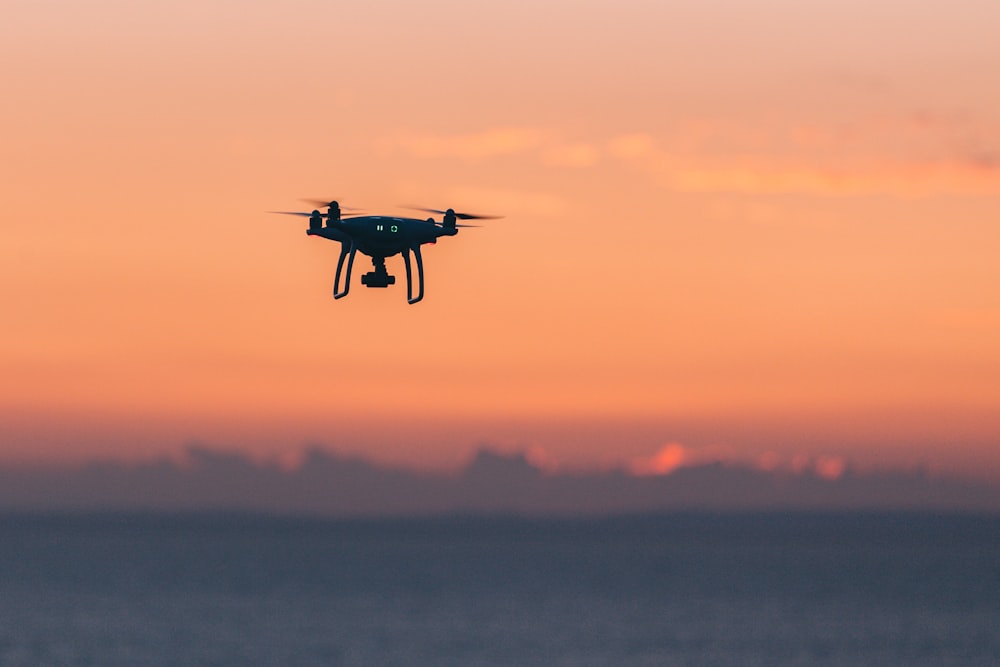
(458, 216)
(321, 203)
(299, 213)
(327, 203)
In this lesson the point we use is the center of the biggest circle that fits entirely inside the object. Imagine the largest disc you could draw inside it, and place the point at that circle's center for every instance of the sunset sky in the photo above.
(759, 230)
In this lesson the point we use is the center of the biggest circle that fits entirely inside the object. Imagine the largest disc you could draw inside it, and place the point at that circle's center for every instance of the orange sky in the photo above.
(767, 226)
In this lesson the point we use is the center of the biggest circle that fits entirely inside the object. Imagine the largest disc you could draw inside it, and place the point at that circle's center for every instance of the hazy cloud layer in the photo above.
(323, 483)
(920, 154)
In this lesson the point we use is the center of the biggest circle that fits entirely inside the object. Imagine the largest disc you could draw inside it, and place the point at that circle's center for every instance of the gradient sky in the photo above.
(766, 229)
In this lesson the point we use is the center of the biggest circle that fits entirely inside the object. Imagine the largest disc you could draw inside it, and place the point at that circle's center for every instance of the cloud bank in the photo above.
(326, 484)
(906, 156)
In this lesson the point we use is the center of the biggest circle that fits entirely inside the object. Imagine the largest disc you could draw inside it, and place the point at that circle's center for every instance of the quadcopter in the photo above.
(381, 236)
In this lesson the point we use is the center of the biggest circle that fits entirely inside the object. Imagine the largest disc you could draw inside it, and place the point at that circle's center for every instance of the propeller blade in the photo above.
(299, 213)
(326, 203)
(460, 216)
(457, 224)
(425, 210)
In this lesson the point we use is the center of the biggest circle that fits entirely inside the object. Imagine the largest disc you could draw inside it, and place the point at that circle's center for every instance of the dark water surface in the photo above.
(688, 589)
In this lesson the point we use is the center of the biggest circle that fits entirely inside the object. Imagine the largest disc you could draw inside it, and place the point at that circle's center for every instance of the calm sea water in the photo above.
(804, 589)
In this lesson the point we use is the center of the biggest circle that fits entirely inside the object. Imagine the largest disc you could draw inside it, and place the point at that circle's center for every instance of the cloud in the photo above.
(542, 460)
(763, 177)
(492, 482)
(768, 461)
(669, 458)
(830, 467)
(909, 157)
(674, 456)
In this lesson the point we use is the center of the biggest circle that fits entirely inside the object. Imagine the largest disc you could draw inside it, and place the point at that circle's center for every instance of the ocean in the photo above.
(678, 589)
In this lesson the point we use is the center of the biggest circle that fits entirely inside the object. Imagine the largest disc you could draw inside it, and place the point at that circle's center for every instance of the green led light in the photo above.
(394, 228)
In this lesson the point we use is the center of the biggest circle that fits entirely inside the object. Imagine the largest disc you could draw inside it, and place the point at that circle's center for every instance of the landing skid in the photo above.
(379, 277)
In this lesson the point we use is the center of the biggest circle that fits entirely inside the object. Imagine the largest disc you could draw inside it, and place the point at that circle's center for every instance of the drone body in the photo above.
(379, 237)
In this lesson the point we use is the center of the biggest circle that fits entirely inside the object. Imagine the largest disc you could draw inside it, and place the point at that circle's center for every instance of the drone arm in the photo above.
(409, 276)
(345, 250)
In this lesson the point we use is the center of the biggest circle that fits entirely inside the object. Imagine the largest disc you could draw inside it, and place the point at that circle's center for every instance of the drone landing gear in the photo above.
(345, 250)
(379, 277)
(409, 278)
